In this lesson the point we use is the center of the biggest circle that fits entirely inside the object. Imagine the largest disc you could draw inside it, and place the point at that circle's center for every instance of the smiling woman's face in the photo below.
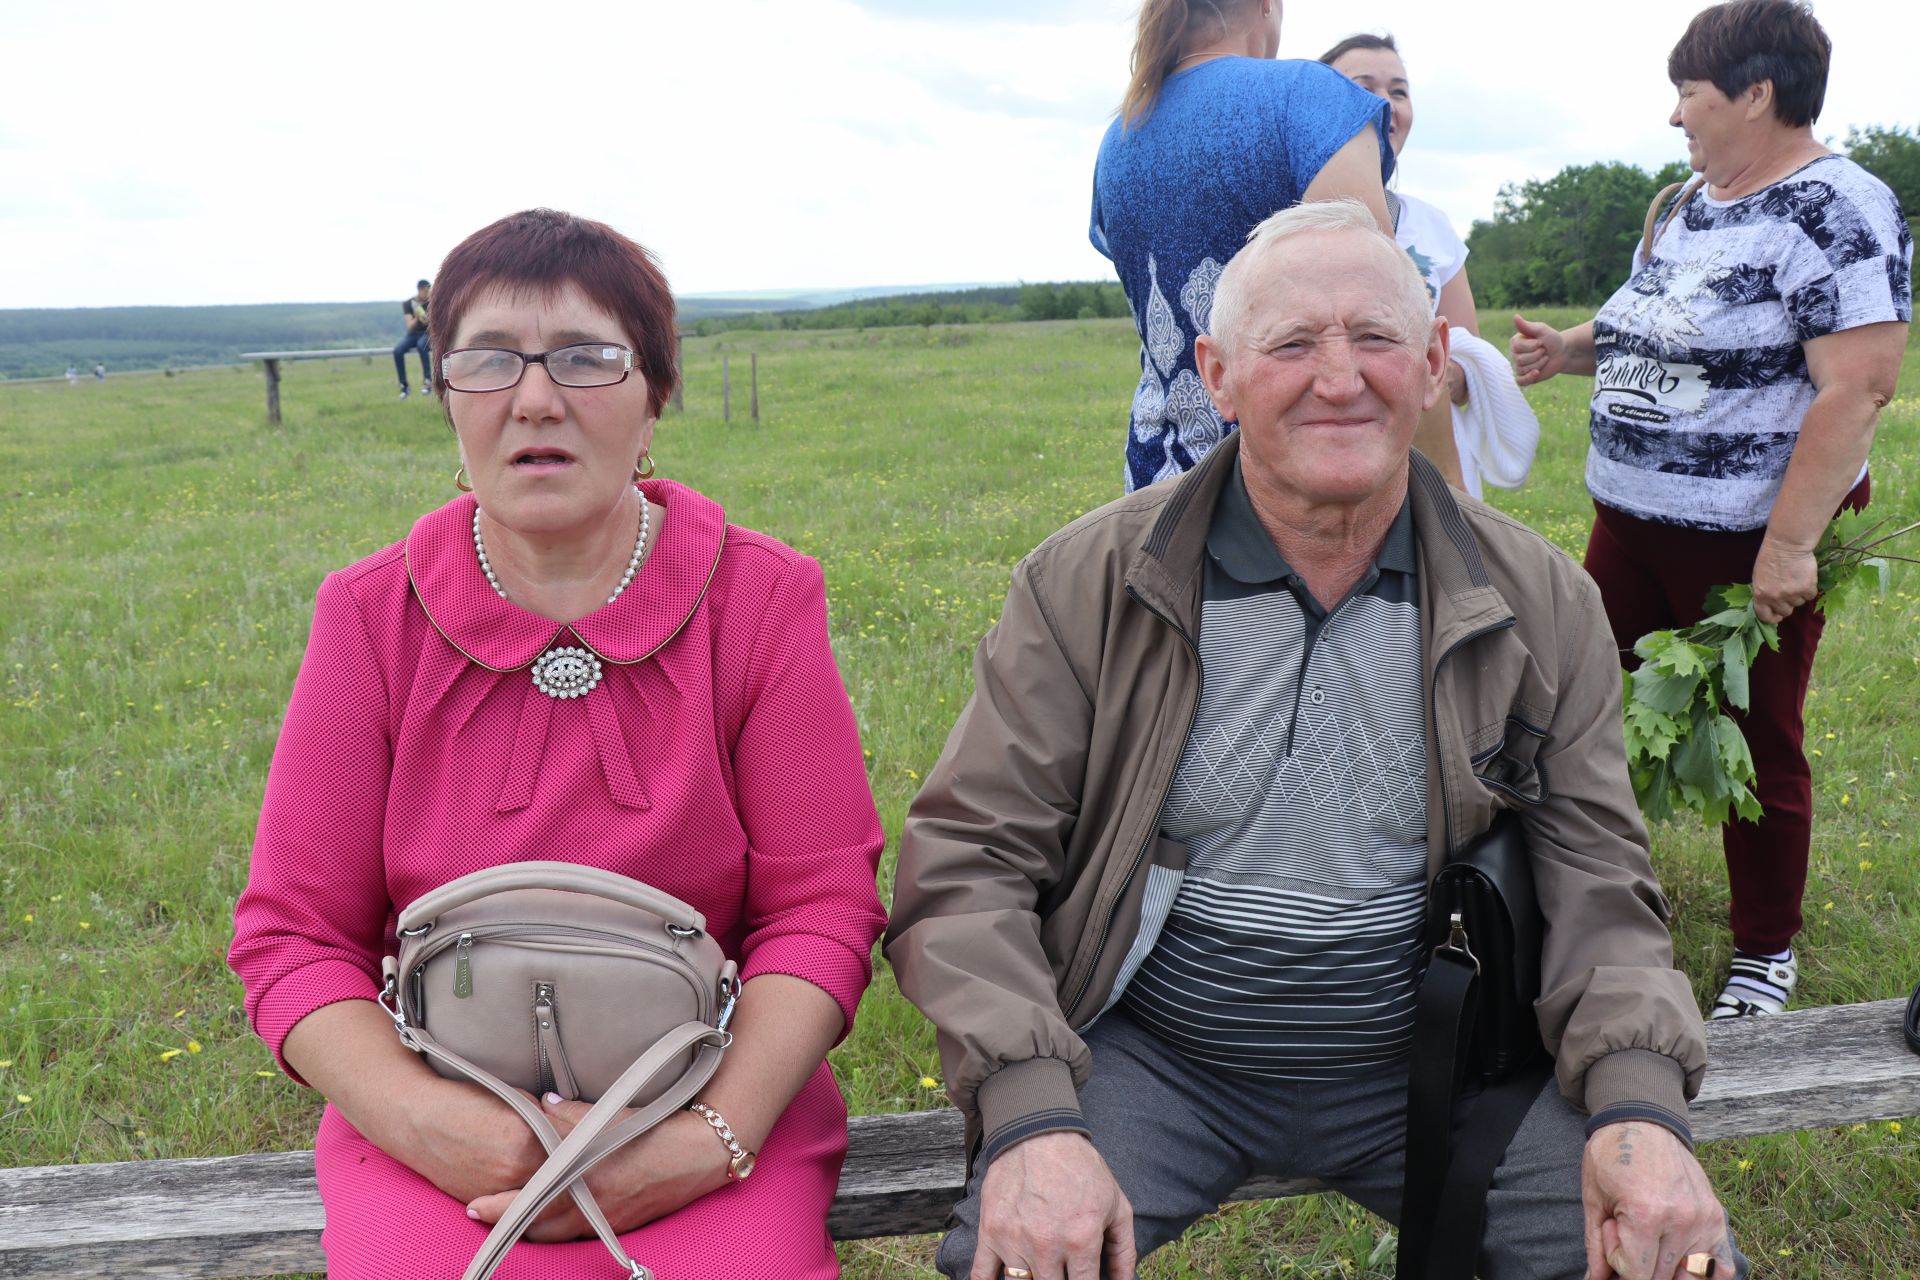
(548, 462)
(1381, 71)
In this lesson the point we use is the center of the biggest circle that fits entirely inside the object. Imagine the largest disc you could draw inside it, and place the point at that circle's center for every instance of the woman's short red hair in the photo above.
(542, 250)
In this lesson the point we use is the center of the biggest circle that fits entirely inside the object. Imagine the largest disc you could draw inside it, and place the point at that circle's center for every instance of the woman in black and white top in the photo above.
(1738, 378)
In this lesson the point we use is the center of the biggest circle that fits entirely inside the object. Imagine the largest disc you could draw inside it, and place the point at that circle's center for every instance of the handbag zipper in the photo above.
(463, 967)
(552, 1072)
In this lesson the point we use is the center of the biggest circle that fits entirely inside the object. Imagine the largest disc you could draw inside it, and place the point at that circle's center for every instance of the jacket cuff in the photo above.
(1023, 1100)
(1638, 1084)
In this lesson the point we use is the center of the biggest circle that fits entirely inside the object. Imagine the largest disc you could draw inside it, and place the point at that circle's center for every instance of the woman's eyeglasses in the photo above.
(583, 364)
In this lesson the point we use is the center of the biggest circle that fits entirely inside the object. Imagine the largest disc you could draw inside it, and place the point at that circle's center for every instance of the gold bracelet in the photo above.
(742, 1160)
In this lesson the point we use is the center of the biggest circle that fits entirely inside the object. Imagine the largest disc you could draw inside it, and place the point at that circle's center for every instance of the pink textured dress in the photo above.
(718, 760)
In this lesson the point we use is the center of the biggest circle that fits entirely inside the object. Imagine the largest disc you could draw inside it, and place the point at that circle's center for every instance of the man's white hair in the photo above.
(1231, 295)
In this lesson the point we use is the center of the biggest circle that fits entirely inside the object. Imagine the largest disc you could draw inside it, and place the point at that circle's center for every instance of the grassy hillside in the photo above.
(160, 545)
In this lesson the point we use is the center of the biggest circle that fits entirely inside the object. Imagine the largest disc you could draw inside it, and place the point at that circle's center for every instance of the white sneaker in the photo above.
(403, 393)
(1757, 986)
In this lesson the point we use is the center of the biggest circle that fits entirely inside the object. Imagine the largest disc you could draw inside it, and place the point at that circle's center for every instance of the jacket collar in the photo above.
(1459, 596)
(502, 636)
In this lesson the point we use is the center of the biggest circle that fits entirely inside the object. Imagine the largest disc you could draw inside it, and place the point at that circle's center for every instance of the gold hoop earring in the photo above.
(460, 479)
(643, 470)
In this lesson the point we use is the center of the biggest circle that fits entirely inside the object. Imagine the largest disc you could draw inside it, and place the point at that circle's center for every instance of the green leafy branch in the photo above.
(1684, 751)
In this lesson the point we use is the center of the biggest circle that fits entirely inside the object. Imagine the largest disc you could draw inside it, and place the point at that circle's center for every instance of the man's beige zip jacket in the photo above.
(1023, 861)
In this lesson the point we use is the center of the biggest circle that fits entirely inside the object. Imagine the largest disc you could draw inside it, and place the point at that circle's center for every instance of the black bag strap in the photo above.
(1443, 1204)
(1462, 1218)
(1443, 1021)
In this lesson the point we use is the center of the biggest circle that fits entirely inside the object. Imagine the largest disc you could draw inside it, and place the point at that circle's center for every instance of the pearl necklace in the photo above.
(633, 562)
(566, 671)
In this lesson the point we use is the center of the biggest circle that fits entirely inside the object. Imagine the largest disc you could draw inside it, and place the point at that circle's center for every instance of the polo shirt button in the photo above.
(1318, 695)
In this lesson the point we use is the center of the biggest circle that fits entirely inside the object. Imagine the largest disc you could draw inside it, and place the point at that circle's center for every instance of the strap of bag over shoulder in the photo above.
(1650, 234)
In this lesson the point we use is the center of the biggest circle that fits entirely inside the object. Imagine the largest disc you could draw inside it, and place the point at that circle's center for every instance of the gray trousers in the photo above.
(1180, 1136)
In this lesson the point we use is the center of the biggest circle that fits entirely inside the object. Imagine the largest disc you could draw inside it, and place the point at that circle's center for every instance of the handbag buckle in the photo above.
(389, 999)
(1457, 940)
(729, 996)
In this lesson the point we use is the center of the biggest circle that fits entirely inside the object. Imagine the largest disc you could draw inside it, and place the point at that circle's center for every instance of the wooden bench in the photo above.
(260, 1214)
(272, 360)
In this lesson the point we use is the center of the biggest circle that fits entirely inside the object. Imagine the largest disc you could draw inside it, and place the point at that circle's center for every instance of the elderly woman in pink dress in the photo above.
(705, 747)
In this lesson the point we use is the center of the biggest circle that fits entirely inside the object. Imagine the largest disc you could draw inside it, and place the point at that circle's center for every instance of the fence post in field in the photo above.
(680, 391)
(273, 392)
(726, 389)
(755, 367)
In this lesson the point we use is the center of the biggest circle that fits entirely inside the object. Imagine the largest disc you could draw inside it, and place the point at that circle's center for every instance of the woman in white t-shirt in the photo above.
(1494, 430)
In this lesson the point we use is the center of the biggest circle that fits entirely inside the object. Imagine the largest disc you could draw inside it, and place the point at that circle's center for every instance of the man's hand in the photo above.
(1539, 351)
(671, 1165)
(1456, 383)
(1784, 578)
(1648, 1205)
(1050, 1205)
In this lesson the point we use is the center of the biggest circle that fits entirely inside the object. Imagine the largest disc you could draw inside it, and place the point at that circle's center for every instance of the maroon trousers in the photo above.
(1655, 576)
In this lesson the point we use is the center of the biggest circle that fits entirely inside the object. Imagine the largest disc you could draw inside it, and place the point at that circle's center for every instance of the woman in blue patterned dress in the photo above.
(1212, 137)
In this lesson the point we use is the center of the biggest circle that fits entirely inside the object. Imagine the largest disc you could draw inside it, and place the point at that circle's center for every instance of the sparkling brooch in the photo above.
(566, 672)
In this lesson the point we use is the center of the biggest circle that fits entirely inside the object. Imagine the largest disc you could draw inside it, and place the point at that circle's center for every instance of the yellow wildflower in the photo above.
(171, 1054)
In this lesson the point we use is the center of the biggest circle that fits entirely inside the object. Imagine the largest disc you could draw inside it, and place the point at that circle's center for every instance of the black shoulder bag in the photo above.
(1473, 1023)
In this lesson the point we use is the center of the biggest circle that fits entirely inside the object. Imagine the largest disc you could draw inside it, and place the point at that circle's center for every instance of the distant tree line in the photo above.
(43, 342)
(1569, 239)
(994, 304)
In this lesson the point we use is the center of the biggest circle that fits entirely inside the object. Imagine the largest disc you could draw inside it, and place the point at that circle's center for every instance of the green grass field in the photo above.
(160, 545)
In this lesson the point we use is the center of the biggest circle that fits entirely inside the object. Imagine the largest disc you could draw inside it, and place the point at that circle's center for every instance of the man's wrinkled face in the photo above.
(1326, 373)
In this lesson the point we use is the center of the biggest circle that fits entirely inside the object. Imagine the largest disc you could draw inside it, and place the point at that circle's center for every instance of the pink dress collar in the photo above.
(501, 636)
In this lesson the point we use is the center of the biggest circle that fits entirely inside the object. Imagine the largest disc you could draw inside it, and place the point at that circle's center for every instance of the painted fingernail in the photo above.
(474, 1214)
(552, 1099)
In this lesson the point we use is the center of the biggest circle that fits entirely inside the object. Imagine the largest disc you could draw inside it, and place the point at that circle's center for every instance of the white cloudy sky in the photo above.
(255, 152)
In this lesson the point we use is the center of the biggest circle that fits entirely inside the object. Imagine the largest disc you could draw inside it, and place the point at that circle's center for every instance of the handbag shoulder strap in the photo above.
(600, 1133)
(420, 1039)
(1650, 234)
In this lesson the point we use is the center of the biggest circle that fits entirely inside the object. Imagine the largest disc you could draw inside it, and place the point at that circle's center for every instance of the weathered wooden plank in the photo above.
(260, 1214)
(1807, 1069)
(220, 1216)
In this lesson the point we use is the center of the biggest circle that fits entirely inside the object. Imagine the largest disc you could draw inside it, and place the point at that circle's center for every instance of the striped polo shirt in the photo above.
(1291, 949)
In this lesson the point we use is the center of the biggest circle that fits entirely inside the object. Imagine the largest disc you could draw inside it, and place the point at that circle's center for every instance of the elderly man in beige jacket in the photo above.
(1164, 894)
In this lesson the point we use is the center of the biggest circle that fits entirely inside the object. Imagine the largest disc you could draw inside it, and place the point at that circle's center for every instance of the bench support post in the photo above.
(273, 392)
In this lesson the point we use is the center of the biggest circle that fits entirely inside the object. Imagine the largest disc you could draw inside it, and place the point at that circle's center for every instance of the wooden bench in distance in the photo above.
(260, 1214)
(272, 360)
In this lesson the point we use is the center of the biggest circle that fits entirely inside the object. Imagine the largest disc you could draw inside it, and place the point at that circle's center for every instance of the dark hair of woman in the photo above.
(1738, 44)
(539, 251)
(1166, 28)
(1361, 41)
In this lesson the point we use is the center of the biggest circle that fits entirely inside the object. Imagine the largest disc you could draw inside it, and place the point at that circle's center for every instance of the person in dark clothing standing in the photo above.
(415, 311)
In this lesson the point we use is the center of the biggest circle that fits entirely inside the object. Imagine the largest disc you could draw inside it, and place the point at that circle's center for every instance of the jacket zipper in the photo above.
(1433, 718)
(1106, 922)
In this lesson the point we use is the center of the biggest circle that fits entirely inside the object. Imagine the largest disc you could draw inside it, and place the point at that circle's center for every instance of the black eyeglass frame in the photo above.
(631, 364)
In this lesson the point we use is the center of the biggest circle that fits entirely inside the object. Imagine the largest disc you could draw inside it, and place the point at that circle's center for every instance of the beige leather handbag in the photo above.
(554, 977)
